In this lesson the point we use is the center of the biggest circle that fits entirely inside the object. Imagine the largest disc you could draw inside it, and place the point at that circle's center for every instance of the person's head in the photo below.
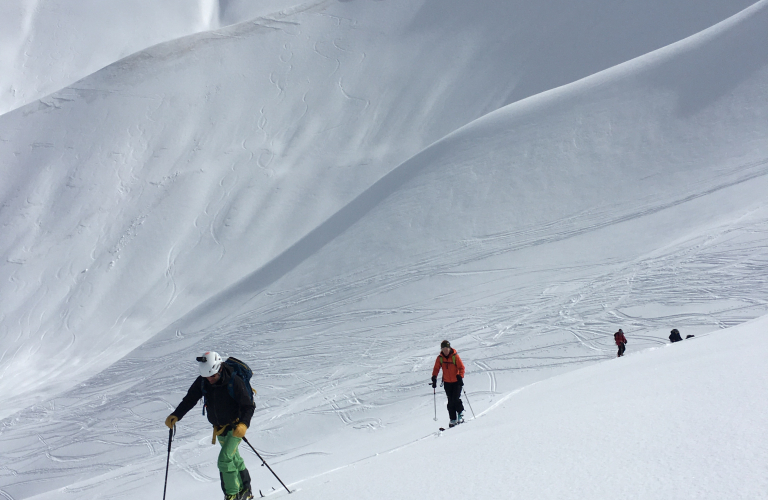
(674, 331)
(621, 331)
(210, 366)
(445, 347)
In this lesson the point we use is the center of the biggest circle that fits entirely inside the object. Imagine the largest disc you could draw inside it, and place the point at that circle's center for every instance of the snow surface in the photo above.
(49, 44)
(329, 191)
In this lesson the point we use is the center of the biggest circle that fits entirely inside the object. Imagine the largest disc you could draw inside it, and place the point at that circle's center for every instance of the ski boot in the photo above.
(452, 423)
(245, 494)
(460, 418)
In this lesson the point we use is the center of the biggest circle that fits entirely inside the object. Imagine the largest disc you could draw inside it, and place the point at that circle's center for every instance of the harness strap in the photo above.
(218, 430)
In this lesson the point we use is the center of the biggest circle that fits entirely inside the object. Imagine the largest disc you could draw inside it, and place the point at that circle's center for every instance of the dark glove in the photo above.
(460, 381)
(434, 382)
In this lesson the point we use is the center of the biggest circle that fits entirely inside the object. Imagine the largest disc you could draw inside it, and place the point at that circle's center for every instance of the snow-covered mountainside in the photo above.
(49, 44)
(330, 191)
(219, 151)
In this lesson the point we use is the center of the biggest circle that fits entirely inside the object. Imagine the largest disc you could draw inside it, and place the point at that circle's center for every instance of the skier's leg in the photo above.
(245, 476)
(455, 397)
(229, 460)
(450, 393)
(245, 479)
(459, 403)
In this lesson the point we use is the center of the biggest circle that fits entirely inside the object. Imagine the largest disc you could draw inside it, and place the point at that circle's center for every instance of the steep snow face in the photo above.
(154, 184)
(49, 44)
(631, 198)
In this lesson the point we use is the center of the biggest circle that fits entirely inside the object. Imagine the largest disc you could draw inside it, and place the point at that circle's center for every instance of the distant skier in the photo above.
(230, 408)
(453, 380)
(621, 341)
(674, 336)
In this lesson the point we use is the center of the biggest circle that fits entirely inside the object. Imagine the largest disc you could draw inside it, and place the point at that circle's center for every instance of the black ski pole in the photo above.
(168, 460)
(470, 404)
(263, 462)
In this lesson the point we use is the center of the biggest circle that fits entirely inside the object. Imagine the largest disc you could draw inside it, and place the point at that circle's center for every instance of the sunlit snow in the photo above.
(328, 189)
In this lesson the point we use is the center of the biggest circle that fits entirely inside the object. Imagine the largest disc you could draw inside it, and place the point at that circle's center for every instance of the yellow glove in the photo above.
(171, 421)
(239, 431)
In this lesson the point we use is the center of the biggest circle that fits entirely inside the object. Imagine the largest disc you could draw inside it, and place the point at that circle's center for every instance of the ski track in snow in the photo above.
(316, 348)
(704, 283)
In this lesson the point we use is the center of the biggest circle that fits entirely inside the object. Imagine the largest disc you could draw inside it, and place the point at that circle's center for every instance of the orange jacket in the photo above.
(451, 366)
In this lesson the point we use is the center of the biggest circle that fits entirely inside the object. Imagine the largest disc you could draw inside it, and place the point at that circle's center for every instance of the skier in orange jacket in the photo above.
(453, 380)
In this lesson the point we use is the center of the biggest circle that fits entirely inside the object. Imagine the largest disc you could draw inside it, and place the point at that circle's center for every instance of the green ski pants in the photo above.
(230, 463)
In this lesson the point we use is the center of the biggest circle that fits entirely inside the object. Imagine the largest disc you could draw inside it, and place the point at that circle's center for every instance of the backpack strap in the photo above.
(205, 398)
(453, 360)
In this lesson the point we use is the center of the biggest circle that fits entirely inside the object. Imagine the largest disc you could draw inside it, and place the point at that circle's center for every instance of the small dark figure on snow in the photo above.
(453, 380)
(621, 341)
(674, 336)
(230, 408)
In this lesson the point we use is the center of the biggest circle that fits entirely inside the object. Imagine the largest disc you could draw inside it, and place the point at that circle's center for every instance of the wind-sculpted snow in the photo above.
(262, 228)
(149, 187)
(49, 44)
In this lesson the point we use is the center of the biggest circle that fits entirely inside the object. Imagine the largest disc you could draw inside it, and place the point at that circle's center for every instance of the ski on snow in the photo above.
(451, 427)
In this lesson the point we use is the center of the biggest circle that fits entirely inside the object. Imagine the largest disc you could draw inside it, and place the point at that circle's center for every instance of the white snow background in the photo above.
(328, 189)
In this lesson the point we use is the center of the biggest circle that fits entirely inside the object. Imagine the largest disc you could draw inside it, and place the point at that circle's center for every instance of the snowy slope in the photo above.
(221, 150)
(453, 244)
(681, 421)
(49, 44)
(633, 197)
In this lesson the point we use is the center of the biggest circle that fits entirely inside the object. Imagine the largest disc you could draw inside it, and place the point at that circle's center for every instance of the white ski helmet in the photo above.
(209, 363)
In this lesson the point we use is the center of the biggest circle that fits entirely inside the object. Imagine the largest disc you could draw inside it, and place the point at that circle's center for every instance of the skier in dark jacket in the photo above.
(621, 341)
(230, 416)
(453, 380)
(674, 336)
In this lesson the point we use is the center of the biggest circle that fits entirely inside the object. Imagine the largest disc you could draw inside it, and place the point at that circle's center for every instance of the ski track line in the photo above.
(714, 265)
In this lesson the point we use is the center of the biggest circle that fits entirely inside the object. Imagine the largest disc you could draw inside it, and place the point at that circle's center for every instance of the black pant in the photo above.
(622, 348)
(453, 391)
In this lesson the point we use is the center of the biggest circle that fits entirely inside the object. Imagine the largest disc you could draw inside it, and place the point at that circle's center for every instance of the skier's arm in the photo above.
(436, 369)
(189, 401)
(460, 366)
